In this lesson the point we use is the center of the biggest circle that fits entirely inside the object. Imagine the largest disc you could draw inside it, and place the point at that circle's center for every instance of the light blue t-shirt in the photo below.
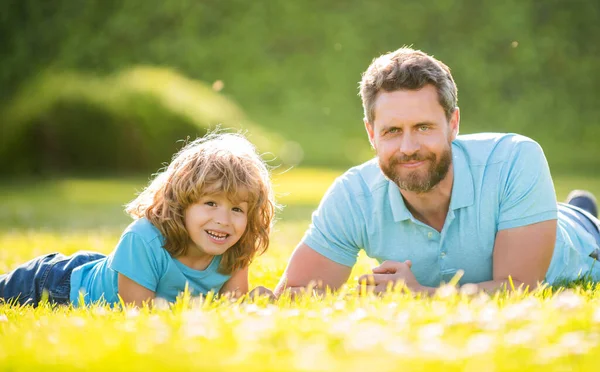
(501, 181)
(140, 256)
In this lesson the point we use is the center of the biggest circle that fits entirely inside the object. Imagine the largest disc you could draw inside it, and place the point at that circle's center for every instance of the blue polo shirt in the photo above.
(501, 181)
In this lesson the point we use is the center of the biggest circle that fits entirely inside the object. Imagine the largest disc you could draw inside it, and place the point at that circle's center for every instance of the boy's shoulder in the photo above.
(144, 229)
(142, 236)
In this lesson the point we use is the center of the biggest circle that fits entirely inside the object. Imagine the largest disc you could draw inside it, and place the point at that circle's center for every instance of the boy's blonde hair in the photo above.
(217, 162)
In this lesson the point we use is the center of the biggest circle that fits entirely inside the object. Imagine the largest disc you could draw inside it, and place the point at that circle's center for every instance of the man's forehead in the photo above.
(409, 106)
(424, 97)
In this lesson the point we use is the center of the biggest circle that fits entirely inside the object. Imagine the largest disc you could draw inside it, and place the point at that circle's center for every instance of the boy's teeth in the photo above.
(216, 235)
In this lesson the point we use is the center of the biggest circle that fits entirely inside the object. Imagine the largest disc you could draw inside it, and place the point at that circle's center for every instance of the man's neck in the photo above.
(431, 207)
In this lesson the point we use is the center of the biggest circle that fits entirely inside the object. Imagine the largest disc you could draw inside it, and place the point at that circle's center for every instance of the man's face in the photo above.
(412, 138)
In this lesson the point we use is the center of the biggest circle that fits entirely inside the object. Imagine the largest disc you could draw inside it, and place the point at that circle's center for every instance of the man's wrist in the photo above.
(426, 290)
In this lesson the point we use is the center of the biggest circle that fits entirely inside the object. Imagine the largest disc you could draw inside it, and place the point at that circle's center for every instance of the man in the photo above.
(433, 203)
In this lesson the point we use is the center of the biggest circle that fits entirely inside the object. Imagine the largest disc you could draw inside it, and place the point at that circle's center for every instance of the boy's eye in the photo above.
(238, 209)
(210, 203)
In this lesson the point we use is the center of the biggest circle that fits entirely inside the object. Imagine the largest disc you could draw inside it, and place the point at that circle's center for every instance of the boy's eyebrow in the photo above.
(235, 199)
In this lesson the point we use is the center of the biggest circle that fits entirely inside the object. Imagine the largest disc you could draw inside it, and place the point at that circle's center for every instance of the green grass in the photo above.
(545, 330)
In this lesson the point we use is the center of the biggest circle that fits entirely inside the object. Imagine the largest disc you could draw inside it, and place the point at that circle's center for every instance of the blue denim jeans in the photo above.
(50, 273)
(590, 223)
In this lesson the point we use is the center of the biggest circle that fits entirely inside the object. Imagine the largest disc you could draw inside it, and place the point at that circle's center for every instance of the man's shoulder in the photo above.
(486, 148)
(362, 179)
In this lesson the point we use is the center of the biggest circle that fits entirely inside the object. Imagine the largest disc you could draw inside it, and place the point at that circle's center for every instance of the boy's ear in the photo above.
(370, 132)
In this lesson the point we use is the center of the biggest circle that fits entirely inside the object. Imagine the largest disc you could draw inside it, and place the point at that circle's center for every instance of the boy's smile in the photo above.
(217, 236)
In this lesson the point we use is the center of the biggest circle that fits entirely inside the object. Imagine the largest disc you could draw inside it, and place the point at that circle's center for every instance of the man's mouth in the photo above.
(411, 164)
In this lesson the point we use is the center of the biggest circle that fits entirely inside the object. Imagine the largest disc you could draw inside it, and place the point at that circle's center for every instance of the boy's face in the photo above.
(215, 224)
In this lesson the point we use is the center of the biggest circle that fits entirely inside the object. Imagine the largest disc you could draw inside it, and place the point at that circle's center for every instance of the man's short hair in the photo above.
(407, 69)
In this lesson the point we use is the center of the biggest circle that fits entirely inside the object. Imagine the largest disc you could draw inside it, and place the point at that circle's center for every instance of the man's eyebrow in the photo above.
(389, 125)
(430, 123)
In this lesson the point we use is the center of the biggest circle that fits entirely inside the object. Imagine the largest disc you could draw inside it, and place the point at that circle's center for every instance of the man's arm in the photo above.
(237, 285)
(306, 266)
(526, 235)
(521, 253)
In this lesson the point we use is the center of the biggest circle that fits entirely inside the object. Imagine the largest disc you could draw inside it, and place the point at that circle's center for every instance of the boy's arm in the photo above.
(237, 285)
(133, 293)
(138, 265)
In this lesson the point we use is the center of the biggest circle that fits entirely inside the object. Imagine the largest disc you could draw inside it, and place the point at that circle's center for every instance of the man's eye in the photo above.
(423, 128)
(393, 130)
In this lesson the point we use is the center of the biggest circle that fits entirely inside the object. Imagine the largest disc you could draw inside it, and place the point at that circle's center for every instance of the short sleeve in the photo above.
(137, 260)
(527, 195)
(335, 232)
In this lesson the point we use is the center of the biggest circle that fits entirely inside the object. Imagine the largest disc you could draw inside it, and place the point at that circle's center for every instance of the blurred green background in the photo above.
(104, 86)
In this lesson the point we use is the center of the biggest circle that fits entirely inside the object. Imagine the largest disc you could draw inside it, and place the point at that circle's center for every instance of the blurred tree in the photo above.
(131, 121)
(521, 66)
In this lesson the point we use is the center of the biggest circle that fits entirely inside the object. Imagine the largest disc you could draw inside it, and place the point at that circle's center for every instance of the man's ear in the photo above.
(455, 123)
(370, 132)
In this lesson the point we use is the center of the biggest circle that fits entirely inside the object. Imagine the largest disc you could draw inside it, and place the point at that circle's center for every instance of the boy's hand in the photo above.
(262, 291)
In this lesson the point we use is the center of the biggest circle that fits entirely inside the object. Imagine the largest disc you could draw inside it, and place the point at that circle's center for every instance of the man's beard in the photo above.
(413, 180)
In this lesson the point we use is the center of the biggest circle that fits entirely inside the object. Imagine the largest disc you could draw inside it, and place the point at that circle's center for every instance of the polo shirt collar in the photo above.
(462, 189)
(463, 194)
(399, 210)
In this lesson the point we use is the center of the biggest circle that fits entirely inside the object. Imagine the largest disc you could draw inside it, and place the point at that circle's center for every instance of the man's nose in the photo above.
(409, 144)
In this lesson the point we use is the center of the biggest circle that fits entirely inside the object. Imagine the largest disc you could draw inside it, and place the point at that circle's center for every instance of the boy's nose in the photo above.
(222, 217)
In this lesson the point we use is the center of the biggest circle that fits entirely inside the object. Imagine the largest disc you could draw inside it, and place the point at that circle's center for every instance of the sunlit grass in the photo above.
(544, 330)
(338, 332)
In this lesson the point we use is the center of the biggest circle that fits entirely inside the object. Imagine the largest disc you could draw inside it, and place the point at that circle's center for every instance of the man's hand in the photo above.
(390, 272)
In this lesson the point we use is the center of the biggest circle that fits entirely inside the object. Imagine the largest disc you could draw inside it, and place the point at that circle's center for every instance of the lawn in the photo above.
(550, 329)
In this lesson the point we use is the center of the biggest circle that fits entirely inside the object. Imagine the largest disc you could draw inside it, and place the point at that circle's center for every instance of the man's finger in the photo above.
(364, 289)
(381, 288)
(366, 279)
(389, 267)
(375, 279)
(377, 289)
